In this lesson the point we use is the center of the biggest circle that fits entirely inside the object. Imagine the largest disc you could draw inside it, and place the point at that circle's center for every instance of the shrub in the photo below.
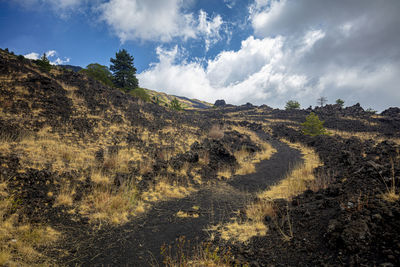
(292, 104)
(140, 93)
(43, 63)
(216, 132)
(176, 105)
(313, 126)
(99, 73)
(340, 102)
(371, 111)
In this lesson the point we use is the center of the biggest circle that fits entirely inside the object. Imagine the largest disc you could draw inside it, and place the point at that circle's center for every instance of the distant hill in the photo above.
(186, 102)
(70, 67)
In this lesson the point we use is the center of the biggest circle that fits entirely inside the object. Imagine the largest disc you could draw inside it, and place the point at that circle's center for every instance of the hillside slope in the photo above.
(92, 176)
(187, 103)
(77, 157)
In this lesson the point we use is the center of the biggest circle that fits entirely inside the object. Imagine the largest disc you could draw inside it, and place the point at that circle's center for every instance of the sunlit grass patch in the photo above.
(163, 190)
(19, 240)
(65, 196)
(297, 180)
(110, 205)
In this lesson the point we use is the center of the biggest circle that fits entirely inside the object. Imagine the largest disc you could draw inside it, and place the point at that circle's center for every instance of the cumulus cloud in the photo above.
(352, 45)
(209, 28)
(51, 55)
(264, 79)
(32, 55)
(158, 20)
(301, 50)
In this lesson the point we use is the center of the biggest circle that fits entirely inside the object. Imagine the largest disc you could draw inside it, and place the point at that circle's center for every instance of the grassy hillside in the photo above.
(165, 99)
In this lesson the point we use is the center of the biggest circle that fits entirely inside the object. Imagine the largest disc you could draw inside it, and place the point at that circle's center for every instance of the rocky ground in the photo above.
(113, 180)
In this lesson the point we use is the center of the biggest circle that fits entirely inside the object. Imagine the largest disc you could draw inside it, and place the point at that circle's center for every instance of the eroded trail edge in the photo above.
(138, 243)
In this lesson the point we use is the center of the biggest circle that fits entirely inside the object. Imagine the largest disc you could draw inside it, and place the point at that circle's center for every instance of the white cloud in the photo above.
(51, 55)
(345, 49)
(264, 79)
(59, 61)
(209, 28)
(32, 55)
(158, 20)
(230, 3)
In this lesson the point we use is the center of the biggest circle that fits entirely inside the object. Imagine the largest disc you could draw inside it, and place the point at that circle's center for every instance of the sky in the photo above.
(257, 51)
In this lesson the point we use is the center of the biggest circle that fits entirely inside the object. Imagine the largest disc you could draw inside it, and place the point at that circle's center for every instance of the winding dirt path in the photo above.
(138, 243)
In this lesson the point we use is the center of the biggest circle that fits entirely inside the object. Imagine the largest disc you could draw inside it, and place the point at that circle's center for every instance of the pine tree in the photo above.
(44, 63)
(340, 102)
(313, 126)
(292, 104)
(124, 72)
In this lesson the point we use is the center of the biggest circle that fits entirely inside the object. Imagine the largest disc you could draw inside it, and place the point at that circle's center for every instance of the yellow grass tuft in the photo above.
(19, 241)
(225, 173)
(182, 214)
(99, 178)
(248, 160)
(297, 180)
(216, 132)
(391, 195)
(364, 136)
(293, 184)
(242, 232)
(164, 191)
(65, 197)
(110, 206)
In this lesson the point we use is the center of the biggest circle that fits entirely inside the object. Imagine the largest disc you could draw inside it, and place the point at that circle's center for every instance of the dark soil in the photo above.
(138, 243)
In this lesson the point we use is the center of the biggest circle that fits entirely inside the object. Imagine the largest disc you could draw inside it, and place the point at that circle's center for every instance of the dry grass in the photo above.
(364, 121)
(248, 160)
(183, 214)
(298, 179)
(224, 173)
(364, 136)
(19, 242)
(392, 194)
(241, 231)
(66, 196)
(98, 178)
(108, 205)
(163, 190)
(216, 132)
(203, 255)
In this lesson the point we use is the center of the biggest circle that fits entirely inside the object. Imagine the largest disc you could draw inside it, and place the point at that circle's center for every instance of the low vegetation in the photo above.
(292, 104)
(313, 126)
(297, 181)
(21, 242)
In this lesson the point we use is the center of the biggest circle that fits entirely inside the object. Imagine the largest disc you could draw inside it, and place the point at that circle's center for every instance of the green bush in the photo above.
(43, 63)
(140, 93)
(313, 126)
(292, 104)
(99, 73)
(176, 105)
(371, 111)
(340, 102)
